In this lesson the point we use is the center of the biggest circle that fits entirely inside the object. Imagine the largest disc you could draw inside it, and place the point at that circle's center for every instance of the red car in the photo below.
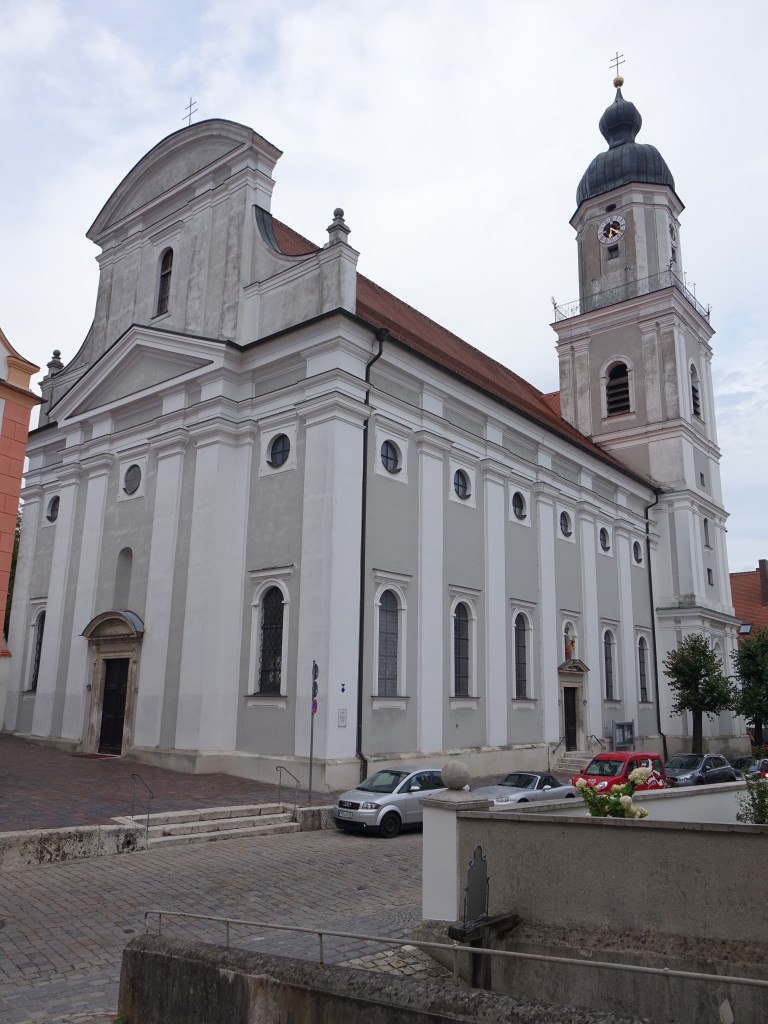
(613, 768)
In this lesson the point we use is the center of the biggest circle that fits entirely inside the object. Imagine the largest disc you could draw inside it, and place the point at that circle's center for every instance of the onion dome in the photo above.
(625, 160)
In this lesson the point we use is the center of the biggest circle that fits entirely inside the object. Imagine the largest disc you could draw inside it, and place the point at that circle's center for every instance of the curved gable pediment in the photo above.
(178, 162)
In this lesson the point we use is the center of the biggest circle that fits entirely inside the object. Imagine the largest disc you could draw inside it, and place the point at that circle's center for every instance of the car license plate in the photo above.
(343, 814)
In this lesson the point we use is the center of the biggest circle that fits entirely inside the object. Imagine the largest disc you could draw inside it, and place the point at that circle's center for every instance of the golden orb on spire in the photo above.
(618, 81)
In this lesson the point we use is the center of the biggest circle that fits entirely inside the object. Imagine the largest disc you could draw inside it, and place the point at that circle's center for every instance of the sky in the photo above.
(452, 132)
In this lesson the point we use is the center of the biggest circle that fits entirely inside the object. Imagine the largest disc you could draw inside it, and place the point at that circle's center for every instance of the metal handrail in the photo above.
(137, 778)
(454, 948)
(645, 286)
(553, 751)
(280, 768)
(597, 740)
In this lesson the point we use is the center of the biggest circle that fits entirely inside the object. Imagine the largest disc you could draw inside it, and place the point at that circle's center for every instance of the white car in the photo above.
(524, 787)
(387, 801)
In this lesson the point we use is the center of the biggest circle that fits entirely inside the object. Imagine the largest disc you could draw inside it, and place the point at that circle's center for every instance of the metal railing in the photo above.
(597, 740)
(135, 777)
(280, 768)
(630, 290)
(454, 948)
(551, 753)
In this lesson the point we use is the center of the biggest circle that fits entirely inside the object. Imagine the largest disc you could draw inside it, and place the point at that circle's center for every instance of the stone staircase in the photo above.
(210, 824)
(572, 761)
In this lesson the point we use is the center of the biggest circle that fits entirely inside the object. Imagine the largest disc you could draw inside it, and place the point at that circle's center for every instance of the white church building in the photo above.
(259, 461)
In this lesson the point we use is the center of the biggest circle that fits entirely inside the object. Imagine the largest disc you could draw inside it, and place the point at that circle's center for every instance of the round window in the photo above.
(518, 505)
(390, 457)
(279, 450)
(132, 479)
(637, 551)
(53, 509)
(605, 539)
(565, 524)
(461, 484)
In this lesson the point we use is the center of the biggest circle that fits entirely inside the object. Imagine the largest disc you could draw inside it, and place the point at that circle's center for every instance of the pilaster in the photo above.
(496, 626)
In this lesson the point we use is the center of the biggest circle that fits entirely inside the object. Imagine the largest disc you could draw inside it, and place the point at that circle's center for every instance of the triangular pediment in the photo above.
(573, 666)
(141, 364)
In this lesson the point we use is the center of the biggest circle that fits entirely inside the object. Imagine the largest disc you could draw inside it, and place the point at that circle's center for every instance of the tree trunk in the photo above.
(758, 732)
(697, 732)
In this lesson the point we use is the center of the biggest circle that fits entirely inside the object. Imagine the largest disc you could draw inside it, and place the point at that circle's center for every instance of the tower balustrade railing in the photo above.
(630, 290)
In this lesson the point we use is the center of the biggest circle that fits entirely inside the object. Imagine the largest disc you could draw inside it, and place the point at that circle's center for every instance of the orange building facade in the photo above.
(16, 404)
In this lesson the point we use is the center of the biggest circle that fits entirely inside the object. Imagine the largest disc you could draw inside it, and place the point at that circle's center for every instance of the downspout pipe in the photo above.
(653, 622)
(382, 334)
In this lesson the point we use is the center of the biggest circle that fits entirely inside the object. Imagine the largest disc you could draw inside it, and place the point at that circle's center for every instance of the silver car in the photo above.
(524, 787)
(387, 801)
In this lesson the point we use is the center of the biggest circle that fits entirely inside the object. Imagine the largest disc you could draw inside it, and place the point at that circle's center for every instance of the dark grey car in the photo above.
(699, 769)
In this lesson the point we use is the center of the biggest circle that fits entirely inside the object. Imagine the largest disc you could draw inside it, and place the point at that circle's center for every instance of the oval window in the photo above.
(132, 479)
(53, 509)
(279, 451)
(518, 505)
(390, 457)
(565, 524)
(461, 484)
(637, 551)
(605, 539)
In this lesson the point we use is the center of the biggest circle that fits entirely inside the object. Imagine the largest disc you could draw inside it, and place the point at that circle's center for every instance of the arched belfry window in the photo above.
(164, 289)
(617, 390)
(388, 644)
(695, 392)
(271, 650)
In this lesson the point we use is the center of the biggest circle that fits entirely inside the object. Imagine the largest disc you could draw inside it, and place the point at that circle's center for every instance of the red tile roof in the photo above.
(417, 332)
(750, 595)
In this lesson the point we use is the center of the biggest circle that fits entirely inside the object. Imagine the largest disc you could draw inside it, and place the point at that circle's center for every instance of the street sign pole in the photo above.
(312, 726)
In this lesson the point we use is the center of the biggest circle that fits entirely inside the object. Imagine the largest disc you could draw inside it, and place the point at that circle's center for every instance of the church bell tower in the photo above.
(635, 371)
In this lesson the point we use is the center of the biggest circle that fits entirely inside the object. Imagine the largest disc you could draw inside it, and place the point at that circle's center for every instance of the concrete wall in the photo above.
(167, 982)
(53, 845)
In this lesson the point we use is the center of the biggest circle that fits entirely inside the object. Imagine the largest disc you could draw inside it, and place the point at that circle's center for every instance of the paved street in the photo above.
(63, 926)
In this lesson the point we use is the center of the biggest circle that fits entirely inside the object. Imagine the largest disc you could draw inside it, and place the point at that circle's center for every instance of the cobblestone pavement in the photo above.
(63, 926)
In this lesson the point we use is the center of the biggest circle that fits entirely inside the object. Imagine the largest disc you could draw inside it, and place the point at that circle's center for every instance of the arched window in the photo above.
(521, 657)
(608, 665)
(461, 651)
(706, 534)
(271, 652)
(642, 668)
(164, 289)
(37, 647)
(695, 397)
(388, 644)
(617, 390)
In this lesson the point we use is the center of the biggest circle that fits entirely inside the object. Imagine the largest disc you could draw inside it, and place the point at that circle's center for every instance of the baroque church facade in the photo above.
(261, 468)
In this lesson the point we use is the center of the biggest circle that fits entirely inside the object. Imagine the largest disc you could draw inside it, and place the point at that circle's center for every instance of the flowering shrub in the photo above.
(617, 802)
(753, 804)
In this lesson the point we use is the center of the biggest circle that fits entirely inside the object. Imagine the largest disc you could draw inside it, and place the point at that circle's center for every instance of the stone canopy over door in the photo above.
(115, 644)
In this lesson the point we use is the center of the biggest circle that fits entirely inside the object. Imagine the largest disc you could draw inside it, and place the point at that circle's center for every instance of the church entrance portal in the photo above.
(113, 705)
(570, 720)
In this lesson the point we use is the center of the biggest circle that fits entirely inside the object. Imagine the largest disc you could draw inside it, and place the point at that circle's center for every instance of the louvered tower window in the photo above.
(695, 399)
(617, 390)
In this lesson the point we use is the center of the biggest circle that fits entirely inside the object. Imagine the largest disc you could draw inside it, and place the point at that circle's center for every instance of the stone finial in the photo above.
(455, 774)
(337, 229)
(55, 364)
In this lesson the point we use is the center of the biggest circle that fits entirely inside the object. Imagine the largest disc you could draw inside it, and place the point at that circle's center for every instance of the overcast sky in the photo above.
(452, 132)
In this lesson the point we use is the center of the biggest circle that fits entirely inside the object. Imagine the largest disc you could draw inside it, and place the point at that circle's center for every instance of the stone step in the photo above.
(187, 828)
(278, 828)
(209, 814)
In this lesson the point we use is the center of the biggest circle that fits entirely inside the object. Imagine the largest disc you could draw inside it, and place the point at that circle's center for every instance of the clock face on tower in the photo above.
(611, 229)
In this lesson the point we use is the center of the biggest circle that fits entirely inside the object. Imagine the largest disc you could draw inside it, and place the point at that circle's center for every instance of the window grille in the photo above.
(642, 661)
(609, 681)
(390, 457)
(461, 651)
(461, 484)
(617, 390)
(270, 663)
(388, 644)
(39, 630)
(521, 658)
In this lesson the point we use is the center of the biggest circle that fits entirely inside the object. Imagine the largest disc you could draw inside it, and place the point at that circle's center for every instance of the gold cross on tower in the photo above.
(616, 62)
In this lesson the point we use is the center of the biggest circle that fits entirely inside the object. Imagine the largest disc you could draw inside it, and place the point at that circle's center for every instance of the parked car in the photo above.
(750, 767)
(387, 801)
(699, 769)
(523, 787)
(613, 768)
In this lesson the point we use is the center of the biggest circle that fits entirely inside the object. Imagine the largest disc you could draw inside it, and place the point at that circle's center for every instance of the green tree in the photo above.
(696, 677)
(750, 660)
